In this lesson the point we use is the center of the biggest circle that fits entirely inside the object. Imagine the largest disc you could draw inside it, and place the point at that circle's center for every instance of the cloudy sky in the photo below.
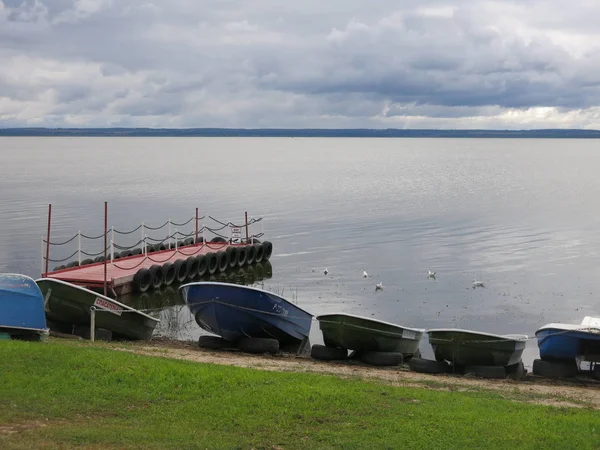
(314, 63)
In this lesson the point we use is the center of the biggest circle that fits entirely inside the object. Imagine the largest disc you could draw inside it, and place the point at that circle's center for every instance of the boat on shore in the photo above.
(234, 311)
(69, 304)
(474, 348)
(362, 334)
(568, 342)
(21, 308)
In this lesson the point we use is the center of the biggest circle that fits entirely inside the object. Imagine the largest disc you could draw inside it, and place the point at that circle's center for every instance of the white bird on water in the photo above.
(326, 271)
(379, 287)
(431, 274)
(365, 274)
(477, 284)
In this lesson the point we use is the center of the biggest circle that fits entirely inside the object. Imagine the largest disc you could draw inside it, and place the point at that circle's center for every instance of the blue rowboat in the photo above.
(234, 311)
(566, 342)
(22, 313)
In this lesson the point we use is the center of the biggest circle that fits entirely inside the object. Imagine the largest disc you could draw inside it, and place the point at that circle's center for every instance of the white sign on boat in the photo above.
(107, 306)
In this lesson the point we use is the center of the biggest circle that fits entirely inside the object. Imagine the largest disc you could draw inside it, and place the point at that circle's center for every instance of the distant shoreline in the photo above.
(301, 133)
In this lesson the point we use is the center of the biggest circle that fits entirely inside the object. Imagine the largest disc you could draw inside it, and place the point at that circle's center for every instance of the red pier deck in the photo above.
(120, 272)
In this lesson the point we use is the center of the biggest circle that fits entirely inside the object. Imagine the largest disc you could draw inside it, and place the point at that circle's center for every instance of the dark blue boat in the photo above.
(22, 313)
(234, 311)
(566, 342)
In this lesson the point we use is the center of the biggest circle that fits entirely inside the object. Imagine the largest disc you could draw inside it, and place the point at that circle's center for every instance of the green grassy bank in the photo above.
(62, 395)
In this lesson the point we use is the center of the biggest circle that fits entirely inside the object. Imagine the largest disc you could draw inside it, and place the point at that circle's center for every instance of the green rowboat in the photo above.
(465, 347)
(364, 334)
(67, 303)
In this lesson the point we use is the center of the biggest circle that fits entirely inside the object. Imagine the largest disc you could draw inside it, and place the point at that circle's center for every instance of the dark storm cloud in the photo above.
(430, 63)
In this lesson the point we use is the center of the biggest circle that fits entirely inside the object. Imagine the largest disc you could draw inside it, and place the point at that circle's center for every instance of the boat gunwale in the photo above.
(504, 337)
(243, 287)
(22, 276)
(395, 325)
(44, 331)
(564, 328)
(81, 288)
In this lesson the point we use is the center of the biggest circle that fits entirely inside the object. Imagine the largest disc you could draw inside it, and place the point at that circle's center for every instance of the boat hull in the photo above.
(364, 334)
(21, 307)
(465, 348)
(70, 304)
(557, 344)
(234, 311)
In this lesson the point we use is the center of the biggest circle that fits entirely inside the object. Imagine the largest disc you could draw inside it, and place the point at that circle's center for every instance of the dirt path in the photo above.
(532, 389)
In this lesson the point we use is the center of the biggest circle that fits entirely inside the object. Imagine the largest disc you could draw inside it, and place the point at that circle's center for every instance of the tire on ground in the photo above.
(486, 371)
(420, 365)
(324, 353)
(382, 358)
(516, 371)
(554, 369)
(258, 345)
(214, 343)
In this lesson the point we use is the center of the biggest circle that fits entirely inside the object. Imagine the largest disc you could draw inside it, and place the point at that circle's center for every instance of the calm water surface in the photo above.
(521, 215)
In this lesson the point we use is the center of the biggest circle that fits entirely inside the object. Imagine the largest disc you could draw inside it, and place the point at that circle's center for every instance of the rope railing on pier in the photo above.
(174, 238)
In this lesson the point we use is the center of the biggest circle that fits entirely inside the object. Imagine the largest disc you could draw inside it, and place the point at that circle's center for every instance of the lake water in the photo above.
(520, 215)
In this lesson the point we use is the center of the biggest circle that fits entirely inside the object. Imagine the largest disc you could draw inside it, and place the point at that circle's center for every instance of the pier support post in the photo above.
(48, 240)
(92, 323)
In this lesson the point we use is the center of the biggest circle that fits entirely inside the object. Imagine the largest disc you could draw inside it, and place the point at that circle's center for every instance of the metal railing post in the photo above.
(175, 239)
(143, 233)
(170, 238)
(112, 235)
(79, 246)
(145, 245)
(112, 251)
(42, 271)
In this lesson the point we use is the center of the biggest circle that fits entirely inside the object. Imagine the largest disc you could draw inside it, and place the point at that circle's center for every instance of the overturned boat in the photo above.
(234, 311)
(474, 348)
(363, 334)
(69, 304)
(21, 308)
(568, 342)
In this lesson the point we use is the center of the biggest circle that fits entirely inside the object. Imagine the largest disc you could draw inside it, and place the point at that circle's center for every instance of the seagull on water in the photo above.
(431, 274)
(477, 284)
(326, 271)
(379, 287)
(365, 274)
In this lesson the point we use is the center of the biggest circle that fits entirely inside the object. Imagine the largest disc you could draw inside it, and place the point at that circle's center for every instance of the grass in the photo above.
(59, 395)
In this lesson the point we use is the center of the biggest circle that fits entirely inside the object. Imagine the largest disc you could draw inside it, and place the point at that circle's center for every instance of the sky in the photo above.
(455, 64)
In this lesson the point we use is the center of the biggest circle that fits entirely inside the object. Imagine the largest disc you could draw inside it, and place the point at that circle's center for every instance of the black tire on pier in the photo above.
(202, 265)
(223, 260)
(232, 252)
(158, 276)
(142, 280)
(200, 240)
(268, 249)
(214, 343)
(242, 254)
(163, 246)
(486, 371)
(250, 254)
(126, 253)
(325, 353)
(87, 261)
(213, 262)
(420, 365)
(554, 369)
(100, 258)
(258, 345)
(259, 253)
(382, 358)
(73, 264)
(219, 239)
(181, 270)
(59, 267)
(192, 263)
(170, 273)
(188, 241)
(137, 251)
